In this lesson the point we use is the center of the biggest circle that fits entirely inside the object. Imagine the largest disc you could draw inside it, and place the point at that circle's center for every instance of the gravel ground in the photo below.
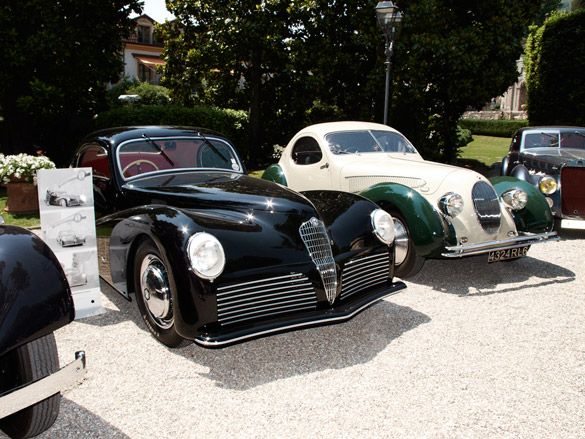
(468, 350)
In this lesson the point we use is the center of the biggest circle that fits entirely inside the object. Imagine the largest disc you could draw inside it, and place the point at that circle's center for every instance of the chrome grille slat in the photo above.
(314, 235)
(487, 206)
(263, 298)
(227, 296)
(243, 304)
(268, 313)
(361, 273)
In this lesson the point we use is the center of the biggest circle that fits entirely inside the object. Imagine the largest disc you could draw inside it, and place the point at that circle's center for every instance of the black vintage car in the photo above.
(217, 256)
(31, 308)
(63, 199)
(553, 159)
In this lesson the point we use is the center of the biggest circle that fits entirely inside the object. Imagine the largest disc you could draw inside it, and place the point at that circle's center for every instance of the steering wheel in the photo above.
(138, 164)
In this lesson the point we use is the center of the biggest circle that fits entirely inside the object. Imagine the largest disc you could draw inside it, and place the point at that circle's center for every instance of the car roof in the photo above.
(550, 127)
(323, 128)
(117, 135)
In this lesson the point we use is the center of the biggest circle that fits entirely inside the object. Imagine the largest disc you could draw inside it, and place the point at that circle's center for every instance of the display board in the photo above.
(68, 227)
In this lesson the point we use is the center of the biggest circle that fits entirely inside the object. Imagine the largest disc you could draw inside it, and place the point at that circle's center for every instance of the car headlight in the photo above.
(83, 198)
(206, 255)
(383, 226)
(547, 185)
(515, 199)
(451, 204)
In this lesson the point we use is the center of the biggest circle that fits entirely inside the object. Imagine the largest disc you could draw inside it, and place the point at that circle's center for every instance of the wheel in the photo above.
(406, 262)
(154, 295)
(62, 202)
(33, 361)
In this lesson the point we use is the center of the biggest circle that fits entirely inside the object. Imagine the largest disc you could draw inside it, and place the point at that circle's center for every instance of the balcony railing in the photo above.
(134, 39)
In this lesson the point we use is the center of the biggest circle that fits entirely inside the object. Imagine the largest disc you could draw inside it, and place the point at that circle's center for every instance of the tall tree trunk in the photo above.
(255, 108)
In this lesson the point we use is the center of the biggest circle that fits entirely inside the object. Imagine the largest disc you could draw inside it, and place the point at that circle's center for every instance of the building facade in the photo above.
(142, 52)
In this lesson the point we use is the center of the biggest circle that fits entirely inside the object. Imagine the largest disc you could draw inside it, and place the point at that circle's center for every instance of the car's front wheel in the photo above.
(30, 362)
(407, 262)
(154, 294)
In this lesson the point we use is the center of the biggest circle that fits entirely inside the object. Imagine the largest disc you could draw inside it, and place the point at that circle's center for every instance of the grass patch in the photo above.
(257, 173)
(17, 220)
(483, 154)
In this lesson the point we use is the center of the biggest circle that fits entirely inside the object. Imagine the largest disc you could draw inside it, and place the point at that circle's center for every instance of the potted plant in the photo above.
(19, 174)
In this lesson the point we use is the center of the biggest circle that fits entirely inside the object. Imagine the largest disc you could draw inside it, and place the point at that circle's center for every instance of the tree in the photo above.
(555, 62)
(55, 59)
(454, 55)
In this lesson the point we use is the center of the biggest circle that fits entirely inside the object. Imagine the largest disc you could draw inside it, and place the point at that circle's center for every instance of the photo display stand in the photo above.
(68, 227)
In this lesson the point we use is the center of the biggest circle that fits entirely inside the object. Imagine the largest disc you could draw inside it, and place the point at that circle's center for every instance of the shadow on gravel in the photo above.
(474, 277)
(265, 360)
(570, 234)
(75, 422)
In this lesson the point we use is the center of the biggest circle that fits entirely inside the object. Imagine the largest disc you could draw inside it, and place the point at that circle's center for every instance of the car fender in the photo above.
(35, 298)
(276, 174)
(429, 231)
(536, 217)
(521, 172)
(504, 167)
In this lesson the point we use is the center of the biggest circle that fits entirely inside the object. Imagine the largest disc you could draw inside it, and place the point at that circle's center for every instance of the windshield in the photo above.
(349, 142)
(147, 155)
(550, 139)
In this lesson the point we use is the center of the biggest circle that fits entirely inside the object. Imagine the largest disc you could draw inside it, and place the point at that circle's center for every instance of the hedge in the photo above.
(495, 128)
(231, 123)
(555, 71)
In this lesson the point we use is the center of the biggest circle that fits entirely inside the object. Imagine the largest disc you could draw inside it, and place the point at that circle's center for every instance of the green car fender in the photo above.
(536, 217)
(274, 173)
(429, 232)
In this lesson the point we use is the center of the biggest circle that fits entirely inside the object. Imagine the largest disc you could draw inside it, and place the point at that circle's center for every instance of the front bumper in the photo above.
(30, 394)
(335, 314)
(523, 240)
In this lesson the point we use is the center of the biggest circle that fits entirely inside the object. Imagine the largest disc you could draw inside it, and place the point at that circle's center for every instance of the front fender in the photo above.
(276, 174)
(428, 230)
(35, 298)
(536, 217)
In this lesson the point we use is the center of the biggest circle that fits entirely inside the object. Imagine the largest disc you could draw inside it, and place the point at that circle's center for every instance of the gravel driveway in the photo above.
(469, 349)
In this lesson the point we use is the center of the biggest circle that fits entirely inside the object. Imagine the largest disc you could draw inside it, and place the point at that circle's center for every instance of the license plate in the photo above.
(511, 253)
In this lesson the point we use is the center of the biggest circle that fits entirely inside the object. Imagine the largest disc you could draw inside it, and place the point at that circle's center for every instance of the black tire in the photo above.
(35, 360)
(62, 202)
(161, 324)
(409, 264)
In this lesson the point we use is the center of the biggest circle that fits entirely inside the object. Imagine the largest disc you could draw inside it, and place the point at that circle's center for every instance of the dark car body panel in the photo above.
(257, 223)
(31, 305)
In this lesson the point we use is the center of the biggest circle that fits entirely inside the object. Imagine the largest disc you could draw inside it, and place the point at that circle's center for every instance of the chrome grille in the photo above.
(572, 194)
(365, 272)
(315, 237)
(487, 206)
(264, 298)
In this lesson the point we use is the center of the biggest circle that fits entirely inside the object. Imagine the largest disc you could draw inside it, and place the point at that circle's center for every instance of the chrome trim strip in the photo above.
(29, 394)
(251, 318)
(372, 263)
(356, 288)
(352, 275)
(292, 277)
(275, 296)
(503, 244)
(225, 295)
(268, 311)
(227, 310)
(214, 343)
(361, 259)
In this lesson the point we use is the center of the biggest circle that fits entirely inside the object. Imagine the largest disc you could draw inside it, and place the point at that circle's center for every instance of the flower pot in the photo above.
(22, 198)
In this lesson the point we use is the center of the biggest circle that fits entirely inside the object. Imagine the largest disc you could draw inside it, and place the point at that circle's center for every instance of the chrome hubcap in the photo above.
(400, 241)
(154, 285)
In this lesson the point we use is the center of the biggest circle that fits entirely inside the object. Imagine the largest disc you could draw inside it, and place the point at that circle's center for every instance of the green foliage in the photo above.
(150, 94)
(496, 128)
(453, 55)
(555, 62)
(463, 137)
(55, 59)
(231, 123)
(118, 89)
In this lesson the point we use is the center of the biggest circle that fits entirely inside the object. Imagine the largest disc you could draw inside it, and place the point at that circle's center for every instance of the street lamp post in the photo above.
(389, 20)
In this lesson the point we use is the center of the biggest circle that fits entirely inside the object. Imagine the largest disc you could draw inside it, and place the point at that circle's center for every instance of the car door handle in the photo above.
(325, 166)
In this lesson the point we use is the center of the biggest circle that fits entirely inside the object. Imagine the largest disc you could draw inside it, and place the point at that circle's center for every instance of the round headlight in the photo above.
(515, 199)
(547, 185)
(206, 255)
(451, 204)
(383, 226)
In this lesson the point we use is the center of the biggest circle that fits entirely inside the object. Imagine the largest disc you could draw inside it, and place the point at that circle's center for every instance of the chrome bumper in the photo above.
(523, 240)
(29, 394)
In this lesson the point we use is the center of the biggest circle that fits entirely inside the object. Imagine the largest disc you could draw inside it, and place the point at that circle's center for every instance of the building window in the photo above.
(144, 34)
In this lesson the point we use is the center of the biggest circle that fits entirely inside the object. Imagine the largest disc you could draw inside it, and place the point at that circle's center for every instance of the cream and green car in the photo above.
(439, 211)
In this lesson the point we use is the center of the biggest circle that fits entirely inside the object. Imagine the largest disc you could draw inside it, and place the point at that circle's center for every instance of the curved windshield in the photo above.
(566, 138)
(349, 142)
(148, 155)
